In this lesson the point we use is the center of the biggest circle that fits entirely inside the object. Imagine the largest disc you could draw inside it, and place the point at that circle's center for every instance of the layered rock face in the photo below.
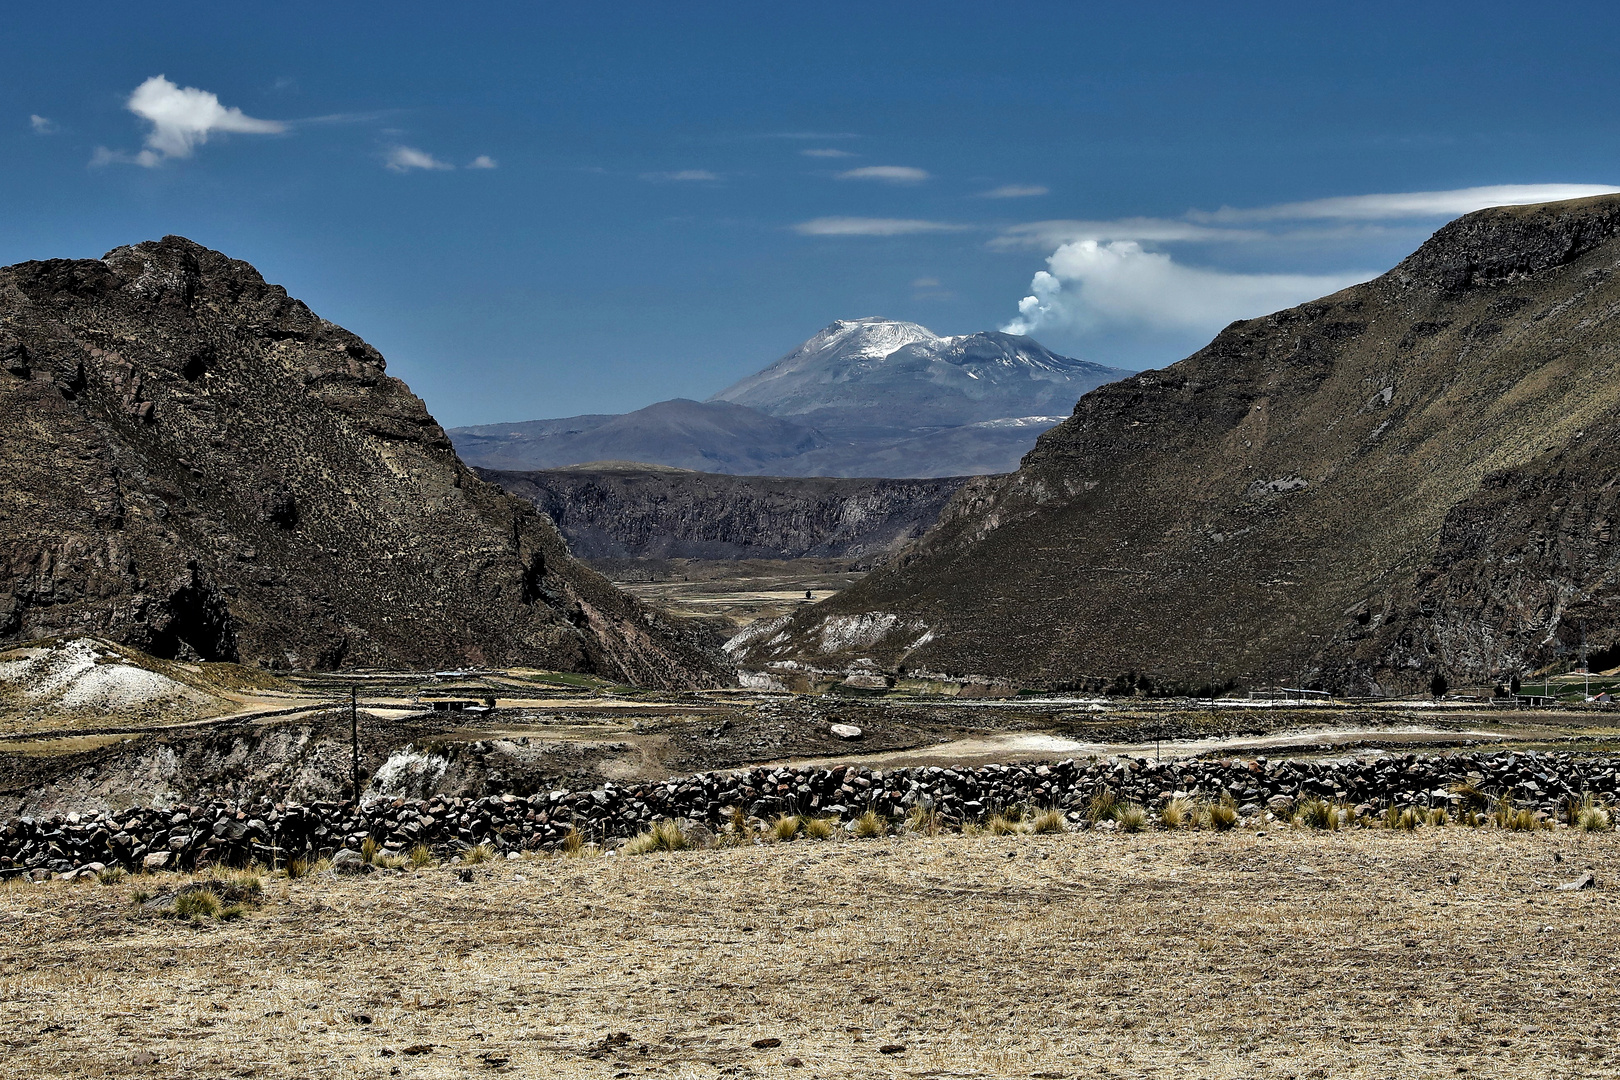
(1412, 476)
(199, 466)
(632, 511)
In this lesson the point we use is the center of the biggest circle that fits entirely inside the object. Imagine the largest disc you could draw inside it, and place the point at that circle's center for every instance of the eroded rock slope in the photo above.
(1409, 477)
(199, 466)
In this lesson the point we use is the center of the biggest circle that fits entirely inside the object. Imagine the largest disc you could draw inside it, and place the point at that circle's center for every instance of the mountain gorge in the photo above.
(862, 398)
(1409, 478)
(199, 466)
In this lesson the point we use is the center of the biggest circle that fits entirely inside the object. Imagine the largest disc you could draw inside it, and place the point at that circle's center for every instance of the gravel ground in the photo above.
(1362, 954)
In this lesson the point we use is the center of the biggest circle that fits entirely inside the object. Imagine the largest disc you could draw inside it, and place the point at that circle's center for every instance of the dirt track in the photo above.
(1196, 955)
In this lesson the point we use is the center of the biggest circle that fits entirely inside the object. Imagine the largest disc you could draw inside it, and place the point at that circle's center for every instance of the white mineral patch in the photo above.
(861, 631)
(82, 675)
(409, 774)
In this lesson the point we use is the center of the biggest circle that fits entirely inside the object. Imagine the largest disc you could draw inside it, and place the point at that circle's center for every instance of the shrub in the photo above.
(786, 827)
(479, 853)
(1176, 813)
(821, 828)
(1131, 817)
(420, 856)
(1048, 821)
(871, 824)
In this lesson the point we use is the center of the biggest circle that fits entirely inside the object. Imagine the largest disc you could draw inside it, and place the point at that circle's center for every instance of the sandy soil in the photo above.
(1185, 955)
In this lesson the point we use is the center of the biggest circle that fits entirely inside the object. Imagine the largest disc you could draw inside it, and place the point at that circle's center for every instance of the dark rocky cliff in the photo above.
(632, 511)
(199, 466)
(1412, 476)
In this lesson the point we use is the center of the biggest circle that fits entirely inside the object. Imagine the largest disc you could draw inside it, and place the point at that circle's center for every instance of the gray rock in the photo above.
(846, 731)
(1585, 881)
(348, 861)
(157, 860)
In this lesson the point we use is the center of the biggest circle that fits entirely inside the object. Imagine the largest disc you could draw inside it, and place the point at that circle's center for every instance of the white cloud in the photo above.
(682, 176)
(405, 158)
(865, 226)
(483, 161)
(889, 174)
(826, 152)
(1046, 234)
(1015, 191)
(925, 283)
(41, 125)
(1409, 204)
(1092, 285)
(182, 119)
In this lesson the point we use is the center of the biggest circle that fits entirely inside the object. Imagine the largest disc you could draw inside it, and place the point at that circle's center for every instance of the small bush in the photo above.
(821, 828)
(369, 849)
(871, 824)
(1176, 813)
(1131, 817)
(786, 827)
(196, 904)
(420, 856)
(479, 853)
(111, 875)
(1048, 821)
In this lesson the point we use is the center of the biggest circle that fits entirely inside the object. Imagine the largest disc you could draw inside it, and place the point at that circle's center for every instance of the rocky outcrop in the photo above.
(270, 832)
(631, 511)
(1405, 479)
(199, 466)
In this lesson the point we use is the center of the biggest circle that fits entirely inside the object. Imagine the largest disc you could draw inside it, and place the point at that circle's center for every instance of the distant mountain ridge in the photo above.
(864, 397)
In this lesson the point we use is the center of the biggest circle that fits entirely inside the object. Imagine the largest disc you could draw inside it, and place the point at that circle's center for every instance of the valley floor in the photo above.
(1276, 954)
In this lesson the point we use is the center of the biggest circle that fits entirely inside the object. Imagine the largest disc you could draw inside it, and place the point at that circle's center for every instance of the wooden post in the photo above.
(354, 742)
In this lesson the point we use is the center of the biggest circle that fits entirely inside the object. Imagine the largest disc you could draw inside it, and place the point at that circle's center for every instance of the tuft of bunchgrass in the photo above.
(369, 849)
(111, 875)
(478, 853)
(786, 827)
(1003, 824)
(573, 842)
(821, 828)
(924, 821)
(1316, 813)
(870, 825)
(1176, 813)
(1102, 806)
(197, 904)
(1220, 815)
(419, 857)
(663, 836)
(1131, 817)
(1470, 795)
(1436, 816)
(1048, 821)
(1593, 819)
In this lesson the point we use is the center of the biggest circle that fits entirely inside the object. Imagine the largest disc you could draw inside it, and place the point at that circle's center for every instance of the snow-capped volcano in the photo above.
(857, 368)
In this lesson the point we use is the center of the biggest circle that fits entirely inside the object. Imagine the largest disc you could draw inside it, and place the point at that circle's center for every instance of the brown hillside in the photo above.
(199, 466)
(1409, 476)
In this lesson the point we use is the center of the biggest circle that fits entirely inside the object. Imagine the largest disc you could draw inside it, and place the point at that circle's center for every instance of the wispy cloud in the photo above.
(1048, 234)
(1410, 204)
(41, 125)
(888, 174)
(1015, 191)
(681, 176)
(866, 226)
(925, 283)
(181, 119)
(826, 152)
(813, 136)
(483, 161)
(405, 158)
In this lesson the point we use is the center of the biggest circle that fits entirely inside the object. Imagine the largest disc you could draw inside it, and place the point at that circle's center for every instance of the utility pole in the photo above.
(354, 742)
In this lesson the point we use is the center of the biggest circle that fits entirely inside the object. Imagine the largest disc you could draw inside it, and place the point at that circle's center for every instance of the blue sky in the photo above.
(540, 210)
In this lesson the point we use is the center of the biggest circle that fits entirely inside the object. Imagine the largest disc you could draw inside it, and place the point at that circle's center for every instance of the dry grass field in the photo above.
(1446, 952)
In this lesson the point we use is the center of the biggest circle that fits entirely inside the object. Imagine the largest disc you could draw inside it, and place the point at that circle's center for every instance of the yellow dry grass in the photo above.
(1297, 954)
